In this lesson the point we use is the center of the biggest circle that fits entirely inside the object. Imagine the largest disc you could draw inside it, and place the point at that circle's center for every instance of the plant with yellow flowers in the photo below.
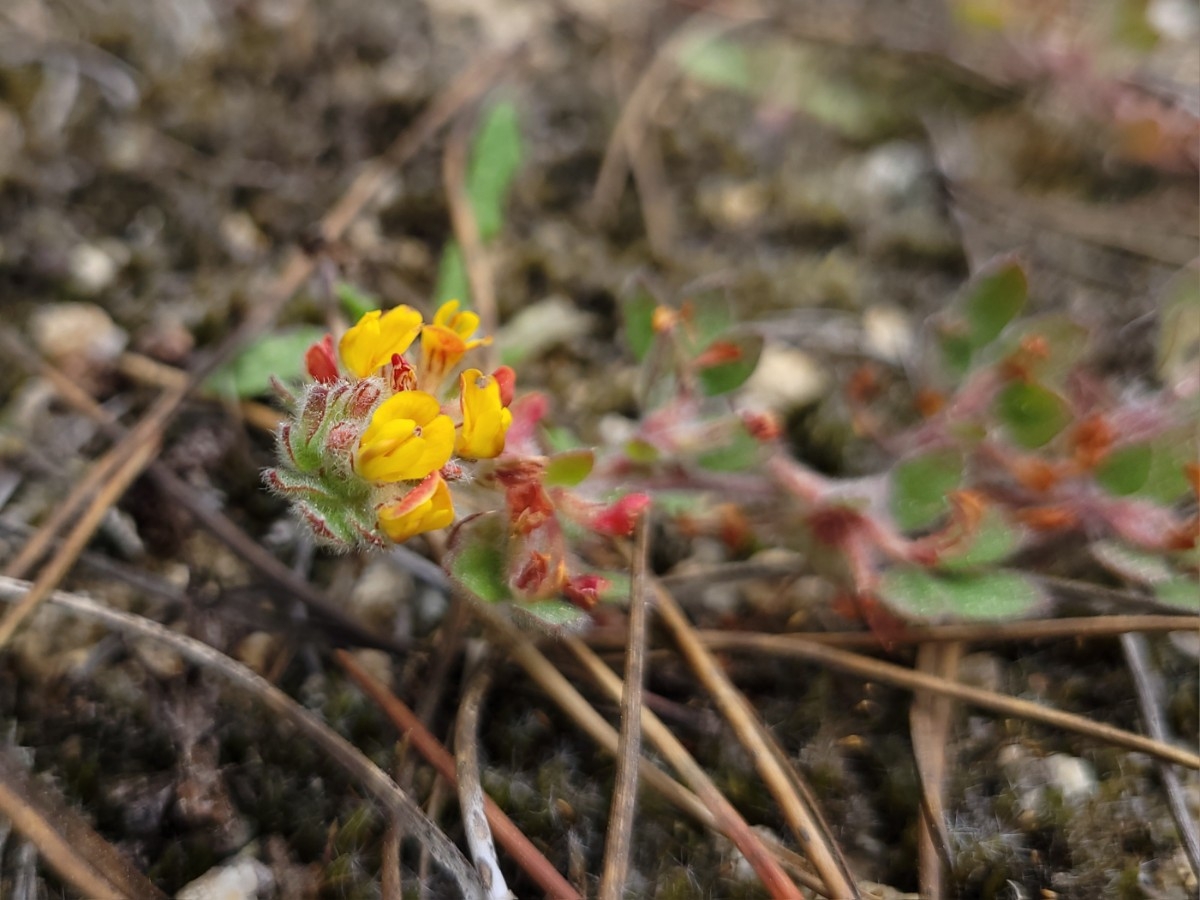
(377, 445)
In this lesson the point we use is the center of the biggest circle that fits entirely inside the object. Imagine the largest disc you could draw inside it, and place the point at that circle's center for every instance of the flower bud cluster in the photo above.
(370, 450)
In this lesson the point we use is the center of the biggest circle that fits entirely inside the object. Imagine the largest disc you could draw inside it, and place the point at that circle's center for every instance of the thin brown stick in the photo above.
(629, 747)
(570, 701)
(511, 838)
(806, 825)
(76, 852)
(373, 779)
(1081, 627)
(929, 720)
(470, 788)
(476, 259)
(729, 820)
(1148, 687)
(888, 673)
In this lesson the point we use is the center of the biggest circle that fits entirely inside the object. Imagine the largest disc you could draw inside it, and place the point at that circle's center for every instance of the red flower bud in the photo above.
(313, 414)
(507, 379)
(620, 518)
(321, 362)
(584, 590)
(763, 426)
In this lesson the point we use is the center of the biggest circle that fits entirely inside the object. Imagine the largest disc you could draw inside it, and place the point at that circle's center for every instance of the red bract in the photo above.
(584, 590)
(321, 360)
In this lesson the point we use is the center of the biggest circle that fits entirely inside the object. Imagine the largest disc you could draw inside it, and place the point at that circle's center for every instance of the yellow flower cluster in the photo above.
(409, 438)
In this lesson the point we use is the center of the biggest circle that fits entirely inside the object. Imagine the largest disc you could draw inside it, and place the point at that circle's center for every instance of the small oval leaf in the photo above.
(569, 468)
(918, 593)
(920, 486)
(1033, 414)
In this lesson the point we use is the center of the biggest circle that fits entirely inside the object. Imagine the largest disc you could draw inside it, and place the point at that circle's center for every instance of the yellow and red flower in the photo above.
(407, 439)
(371, 344)
(427, 507)
(444, 343)
(485, 419)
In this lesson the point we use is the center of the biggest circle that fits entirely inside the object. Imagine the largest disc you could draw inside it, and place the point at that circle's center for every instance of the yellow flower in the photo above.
(426, 507)
(485, 420)
(445, 341)
(378, 335)
(408, 438)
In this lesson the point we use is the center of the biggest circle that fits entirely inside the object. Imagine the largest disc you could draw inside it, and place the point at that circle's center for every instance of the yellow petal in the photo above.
(378, 335)
(485, 419)
(426, 507)
(408, 438)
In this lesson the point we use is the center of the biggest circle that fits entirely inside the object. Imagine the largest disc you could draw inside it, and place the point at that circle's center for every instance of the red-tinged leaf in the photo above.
(741, 356)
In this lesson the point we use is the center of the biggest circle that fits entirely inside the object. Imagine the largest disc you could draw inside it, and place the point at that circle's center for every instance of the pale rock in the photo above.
(888, 332)
(92, 268)
(1074, 778)
(244, 879)
(786, 378)
(541, 326)
(76, 332)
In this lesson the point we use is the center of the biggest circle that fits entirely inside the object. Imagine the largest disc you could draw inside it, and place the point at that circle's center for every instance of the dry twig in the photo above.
(470, 788)
(806, 823)
(889, 673)
(511, 838)
(629, 747)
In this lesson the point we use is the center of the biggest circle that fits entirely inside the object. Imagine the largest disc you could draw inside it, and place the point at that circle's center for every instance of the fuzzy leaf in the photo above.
(569, 468)
(560, 439)
(1032, 413)
(1179, 333)
(742, 452)
(280, 354)
(1125, 469)
(709, 316)
(556, 617)
(640, 451)
(1131, 564)
(1180, 591)
(921, 594)
(743, 352)
(994, 300)
(920, 486)
(994, 540)
(638, 313)
(356, 303)
(475, 559)
(495, 158)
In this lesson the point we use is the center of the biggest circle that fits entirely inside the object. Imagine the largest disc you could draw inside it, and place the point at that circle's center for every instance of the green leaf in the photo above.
(452, 281)
(716, 62)
(1167, 480)
(475, 562)
(554, 616)
(994, 540)
(495, 158)
(1125, 469)
(640, 451)
(1181, 591)
(280, 354)
(741, 453)
(1132, 564)
(918, 593)
(638, 313)
(357, 303)
(709, 316)
(1066, 343)
(560, 439)
(1032, 413)
(993, 300)
(475, 559)
(569, 468)
(742, 351)
(956, 351)
(920, 486)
